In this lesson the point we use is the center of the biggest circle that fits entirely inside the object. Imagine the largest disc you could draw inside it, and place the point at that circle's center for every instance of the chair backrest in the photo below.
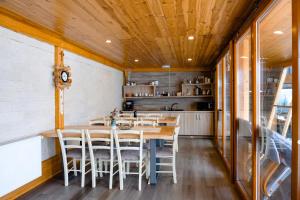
(145, 123)
(99, 139)
(71, 139)
(178, 120)
(147, 118)
(174, 138)
(125, 115)
(129, 140)
(123, 122)
(158, 115)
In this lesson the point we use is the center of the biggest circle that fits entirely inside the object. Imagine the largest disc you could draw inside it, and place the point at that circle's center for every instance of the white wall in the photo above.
(27, 92)
(26, 88)
(96, 90)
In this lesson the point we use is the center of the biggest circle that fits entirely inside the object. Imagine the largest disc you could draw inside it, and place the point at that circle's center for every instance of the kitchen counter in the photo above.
(169, 111)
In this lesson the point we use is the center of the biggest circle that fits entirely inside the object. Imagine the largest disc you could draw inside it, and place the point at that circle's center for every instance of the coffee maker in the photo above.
(128, 106)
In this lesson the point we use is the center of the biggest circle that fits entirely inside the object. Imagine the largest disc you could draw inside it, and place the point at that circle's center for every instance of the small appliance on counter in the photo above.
(205, 106)
(128, 106)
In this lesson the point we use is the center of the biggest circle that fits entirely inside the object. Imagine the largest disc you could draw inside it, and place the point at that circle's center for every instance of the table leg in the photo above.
(153, 178)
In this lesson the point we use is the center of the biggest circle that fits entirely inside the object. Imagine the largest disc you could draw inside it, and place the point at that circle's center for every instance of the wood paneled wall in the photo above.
(176, 79)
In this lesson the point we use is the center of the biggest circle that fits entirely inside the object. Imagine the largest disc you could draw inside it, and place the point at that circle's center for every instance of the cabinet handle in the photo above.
(199, 117)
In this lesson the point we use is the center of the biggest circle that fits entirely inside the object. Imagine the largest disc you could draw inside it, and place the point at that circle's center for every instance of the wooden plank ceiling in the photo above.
(153, 31)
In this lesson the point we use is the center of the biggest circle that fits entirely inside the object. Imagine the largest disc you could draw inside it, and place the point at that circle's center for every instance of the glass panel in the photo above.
(227, 109)
(244, 113)
(275, 52)
(219, 130)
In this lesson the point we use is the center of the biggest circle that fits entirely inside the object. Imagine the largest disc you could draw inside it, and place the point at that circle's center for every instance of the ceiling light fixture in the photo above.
(278, 32)
(166, 66)
(244, 57)
(191, 37)
(108, 41)
(136, 60)
(189, 59)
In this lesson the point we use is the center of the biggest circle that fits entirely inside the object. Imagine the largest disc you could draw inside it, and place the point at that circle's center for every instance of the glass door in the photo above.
(243, 100)
(219, 130)
(227, 107)
(274, 50)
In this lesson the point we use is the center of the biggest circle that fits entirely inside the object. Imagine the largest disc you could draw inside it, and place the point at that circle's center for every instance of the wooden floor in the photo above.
(201, 175)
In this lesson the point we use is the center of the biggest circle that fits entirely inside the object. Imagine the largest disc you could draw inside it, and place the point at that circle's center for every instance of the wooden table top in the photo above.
(149, 132)
(163, 120)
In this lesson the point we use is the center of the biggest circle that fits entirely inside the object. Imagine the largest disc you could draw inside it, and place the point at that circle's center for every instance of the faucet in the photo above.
(173, 106)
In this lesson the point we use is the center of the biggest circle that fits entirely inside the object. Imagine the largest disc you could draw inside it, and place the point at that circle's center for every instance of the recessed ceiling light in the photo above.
(244, 57)
(108, 41)
(166, 66)
(189, 59)
(136, 60)
(191, 37)
(278, 32)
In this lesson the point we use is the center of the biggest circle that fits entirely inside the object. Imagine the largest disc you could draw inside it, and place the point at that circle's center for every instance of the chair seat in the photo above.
(130, 155)
(164, 152)
(103, 154)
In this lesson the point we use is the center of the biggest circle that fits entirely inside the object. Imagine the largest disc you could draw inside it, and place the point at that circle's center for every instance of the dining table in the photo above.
(160, 120)
(155, 135)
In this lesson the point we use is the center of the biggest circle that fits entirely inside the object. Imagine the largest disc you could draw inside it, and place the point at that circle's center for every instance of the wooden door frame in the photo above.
(296, 100)
(255, 112)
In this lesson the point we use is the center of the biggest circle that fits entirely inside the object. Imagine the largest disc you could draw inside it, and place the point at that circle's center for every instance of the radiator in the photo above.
(20, 163)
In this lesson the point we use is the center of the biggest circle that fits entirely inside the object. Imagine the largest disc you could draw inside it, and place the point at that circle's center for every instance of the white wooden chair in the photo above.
(144, 123)
(168, 153)
(72, 143)
(158, 115)
(129, 115)
(101, 148)
(123, 122)
(146, 118)
(170, 143)
(130, 153)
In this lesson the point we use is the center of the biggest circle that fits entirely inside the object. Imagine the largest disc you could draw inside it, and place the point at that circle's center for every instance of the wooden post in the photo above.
(59, 94)
(59, 99)
(296, 100)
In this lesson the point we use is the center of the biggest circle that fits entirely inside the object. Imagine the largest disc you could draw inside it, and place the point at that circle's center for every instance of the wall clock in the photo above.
(62, 76)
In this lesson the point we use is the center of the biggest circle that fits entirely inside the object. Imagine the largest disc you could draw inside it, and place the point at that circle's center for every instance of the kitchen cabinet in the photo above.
(198, 123)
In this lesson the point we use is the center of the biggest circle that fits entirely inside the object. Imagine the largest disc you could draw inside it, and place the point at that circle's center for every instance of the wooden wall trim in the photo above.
(187, 69)
(50, 168)
(59, 93)
(16, 23)
(296, 100)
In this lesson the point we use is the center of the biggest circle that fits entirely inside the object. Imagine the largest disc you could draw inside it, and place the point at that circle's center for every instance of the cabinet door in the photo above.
(182, 124)
(205, 123)
(191, 124)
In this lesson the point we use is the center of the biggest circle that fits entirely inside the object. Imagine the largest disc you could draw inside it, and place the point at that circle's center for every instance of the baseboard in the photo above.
(50, 168)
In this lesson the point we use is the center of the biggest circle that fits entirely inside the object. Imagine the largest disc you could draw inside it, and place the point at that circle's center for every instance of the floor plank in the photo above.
(200, 170)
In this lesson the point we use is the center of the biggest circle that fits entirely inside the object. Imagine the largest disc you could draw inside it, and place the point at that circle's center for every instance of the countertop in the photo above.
(167, 111)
